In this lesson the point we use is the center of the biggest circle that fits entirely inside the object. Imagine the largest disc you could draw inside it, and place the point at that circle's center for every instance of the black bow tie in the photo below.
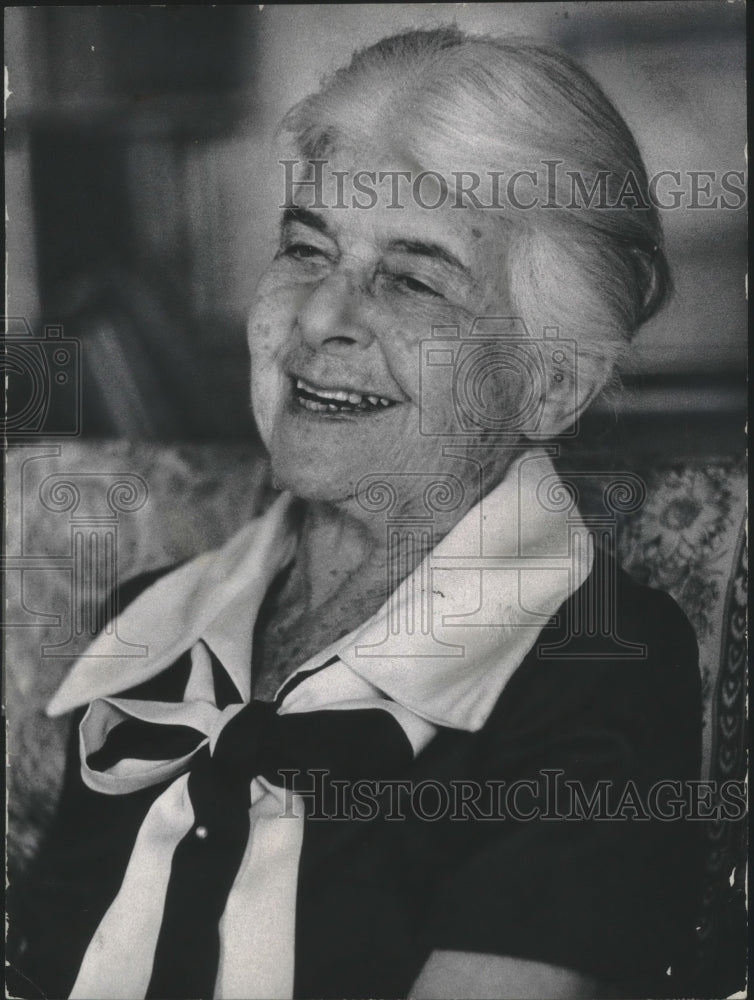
(348, 745)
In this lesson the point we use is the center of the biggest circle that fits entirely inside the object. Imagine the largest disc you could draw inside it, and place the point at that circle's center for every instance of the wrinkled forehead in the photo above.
(373, 178)
(354, 175)
(377, 124)
(390, 210)
(385, 165)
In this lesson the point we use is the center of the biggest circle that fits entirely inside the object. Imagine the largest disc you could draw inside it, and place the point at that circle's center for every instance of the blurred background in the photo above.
(141, 207)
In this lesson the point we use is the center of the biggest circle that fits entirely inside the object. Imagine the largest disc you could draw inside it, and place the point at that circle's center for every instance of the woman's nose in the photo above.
(333, 314)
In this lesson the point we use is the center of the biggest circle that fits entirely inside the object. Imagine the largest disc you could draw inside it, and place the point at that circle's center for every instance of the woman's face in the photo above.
(339, 389)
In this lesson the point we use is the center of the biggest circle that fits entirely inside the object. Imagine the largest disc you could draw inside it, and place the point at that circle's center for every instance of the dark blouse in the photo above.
(541, 836)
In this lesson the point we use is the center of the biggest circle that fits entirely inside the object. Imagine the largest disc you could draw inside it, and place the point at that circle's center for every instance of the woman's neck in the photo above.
(343, 547)
(336, 551)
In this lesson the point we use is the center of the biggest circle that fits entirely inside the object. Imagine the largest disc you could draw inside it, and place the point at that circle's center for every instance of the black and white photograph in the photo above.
(374, 439)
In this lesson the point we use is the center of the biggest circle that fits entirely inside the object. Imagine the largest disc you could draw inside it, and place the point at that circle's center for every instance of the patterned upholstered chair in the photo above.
(681, 528)
(83, 515)
(689, 540)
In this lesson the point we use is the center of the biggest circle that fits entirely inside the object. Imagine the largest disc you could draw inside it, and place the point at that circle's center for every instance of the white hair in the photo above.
(482, 104)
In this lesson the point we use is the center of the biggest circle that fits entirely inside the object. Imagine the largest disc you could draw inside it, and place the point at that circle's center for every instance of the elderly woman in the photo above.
(398, 736)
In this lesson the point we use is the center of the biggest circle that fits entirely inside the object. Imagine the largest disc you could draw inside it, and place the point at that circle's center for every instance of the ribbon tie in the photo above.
(143, 743)
(129, 744)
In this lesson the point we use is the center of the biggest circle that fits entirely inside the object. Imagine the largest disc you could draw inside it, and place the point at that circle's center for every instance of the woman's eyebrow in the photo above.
(306, 218)
(420, 248)
(433, 250)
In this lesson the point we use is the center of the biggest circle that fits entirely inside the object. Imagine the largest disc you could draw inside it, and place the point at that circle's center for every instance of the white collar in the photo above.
(489, 587)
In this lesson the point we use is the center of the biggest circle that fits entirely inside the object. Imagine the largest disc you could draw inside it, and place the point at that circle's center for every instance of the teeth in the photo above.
(339, 395)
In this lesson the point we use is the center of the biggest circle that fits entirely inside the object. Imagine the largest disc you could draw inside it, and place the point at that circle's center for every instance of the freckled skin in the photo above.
(333, 319)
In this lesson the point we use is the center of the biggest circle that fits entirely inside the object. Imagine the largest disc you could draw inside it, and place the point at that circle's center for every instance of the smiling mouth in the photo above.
(334, 401)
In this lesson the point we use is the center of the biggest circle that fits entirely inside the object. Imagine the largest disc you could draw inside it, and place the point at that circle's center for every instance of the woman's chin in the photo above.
(312, 482)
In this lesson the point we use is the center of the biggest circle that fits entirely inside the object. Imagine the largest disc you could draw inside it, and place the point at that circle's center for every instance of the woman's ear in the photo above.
(569, 388)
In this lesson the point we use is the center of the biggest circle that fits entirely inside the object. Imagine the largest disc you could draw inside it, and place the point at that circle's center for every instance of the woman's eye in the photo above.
(301, 251)
(411, 284)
